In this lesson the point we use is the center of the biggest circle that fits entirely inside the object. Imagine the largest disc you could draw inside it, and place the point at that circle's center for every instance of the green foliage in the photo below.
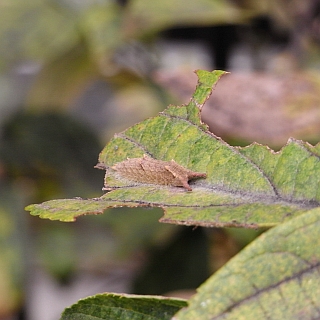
(274, 277)
(12, 239)
(248, 187)
(79, 41)
(144, 17)
(275, 192)
(46, 30)
(69, 147)
(113, 306)
(39, 29)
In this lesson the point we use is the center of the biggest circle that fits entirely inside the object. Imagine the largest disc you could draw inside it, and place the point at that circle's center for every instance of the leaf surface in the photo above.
(275, 277)
(251, 187)
(124, 306)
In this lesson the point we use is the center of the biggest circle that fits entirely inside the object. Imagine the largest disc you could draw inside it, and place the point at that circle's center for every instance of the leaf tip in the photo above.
(209, 76)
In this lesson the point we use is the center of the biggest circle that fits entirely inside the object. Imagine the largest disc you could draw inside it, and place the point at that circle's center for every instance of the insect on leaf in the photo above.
(148, 170)
(231, 186)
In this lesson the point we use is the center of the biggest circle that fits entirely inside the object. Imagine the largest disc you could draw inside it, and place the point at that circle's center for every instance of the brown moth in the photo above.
(149, 170)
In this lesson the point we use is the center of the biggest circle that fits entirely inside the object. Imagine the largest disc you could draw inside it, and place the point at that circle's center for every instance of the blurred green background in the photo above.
(73, 73)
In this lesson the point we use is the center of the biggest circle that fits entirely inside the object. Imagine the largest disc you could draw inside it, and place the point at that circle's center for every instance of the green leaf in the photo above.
(58, 83)
(275, 277)
(251, 187)
(101, 27)
(124, 306)
(10, 265)
(145, 17)
(12, 237)
(35, 29)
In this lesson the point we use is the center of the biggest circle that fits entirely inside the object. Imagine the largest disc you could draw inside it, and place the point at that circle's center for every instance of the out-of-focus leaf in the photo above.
(124, 306)
(145, 17)
(12, 237)
(101, 25)
(251, 187)
(53, 151)
(275, 277)
(182, 262)
(60, 82)
(141, 230)
(9, 256)
(35, 29)
(131, 104)
(57, 249)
